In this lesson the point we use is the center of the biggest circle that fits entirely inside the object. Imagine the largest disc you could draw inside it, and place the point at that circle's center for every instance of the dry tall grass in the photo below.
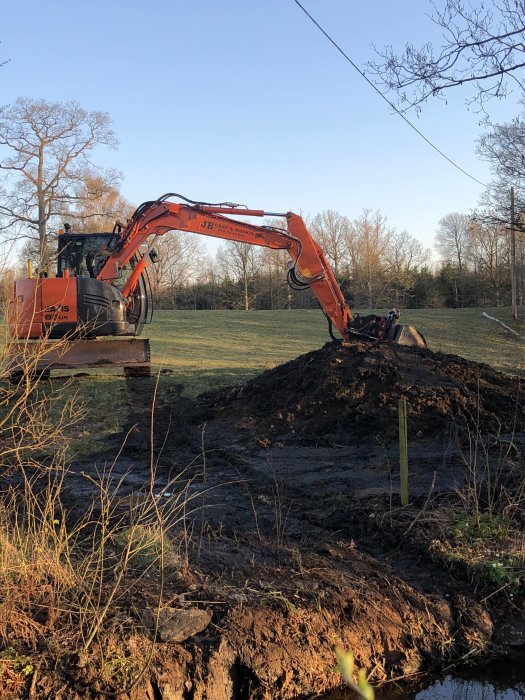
(68, 579)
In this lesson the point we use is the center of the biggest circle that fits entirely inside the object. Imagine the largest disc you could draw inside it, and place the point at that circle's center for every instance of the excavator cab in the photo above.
(101, 308)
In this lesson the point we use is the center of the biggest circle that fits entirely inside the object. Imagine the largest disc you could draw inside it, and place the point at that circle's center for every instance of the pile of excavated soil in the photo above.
(340, 394)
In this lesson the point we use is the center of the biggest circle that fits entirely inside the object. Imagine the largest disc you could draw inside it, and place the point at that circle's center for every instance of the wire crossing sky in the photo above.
(390, 104)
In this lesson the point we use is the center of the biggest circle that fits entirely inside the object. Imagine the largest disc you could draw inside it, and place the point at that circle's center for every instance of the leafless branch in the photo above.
(480, 47)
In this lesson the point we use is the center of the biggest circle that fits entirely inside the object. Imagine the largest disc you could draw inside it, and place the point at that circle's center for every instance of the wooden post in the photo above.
(403, 452)
(514, 296)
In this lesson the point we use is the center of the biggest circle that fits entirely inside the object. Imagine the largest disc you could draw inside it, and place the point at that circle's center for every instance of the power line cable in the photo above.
(390, 104)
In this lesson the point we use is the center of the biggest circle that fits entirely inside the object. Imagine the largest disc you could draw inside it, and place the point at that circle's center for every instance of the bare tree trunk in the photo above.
(513, 258)
(246, 296)
(42, 238)
(369, 283)
(368, 271)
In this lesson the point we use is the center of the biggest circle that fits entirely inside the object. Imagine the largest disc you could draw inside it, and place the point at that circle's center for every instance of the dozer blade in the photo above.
(77, 354)
(408, 335)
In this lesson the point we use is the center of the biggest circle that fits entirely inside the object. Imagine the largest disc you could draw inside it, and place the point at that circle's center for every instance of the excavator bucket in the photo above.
(407, 335)
(386, 328)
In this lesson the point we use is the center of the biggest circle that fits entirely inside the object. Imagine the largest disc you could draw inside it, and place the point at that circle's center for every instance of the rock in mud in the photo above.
(176, 624)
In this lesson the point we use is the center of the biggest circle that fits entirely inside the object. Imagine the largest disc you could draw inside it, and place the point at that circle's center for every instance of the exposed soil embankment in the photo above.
(294, 541)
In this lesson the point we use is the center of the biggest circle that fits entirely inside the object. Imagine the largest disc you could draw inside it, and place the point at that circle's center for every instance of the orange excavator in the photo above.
(101, 288)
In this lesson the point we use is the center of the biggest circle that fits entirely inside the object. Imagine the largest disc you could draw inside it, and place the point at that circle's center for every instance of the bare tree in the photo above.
(237, 263)
(331, 230)
(273, 264)
(406, 252)
(453, 244)
(482, 45)
(47, 147)
(98, 206)
(406, 256)
(452, 238)
(503, 146)
(490, 258)
(368, 245)
(181, 258)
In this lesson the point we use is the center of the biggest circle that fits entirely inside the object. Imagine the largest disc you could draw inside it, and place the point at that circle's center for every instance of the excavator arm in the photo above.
(308, 267)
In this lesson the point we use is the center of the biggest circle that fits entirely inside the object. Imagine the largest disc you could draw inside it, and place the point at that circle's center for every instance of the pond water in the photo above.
(496, 681)
(463, 689)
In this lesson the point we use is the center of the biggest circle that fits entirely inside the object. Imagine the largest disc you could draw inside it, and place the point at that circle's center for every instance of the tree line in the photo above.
(375, 265)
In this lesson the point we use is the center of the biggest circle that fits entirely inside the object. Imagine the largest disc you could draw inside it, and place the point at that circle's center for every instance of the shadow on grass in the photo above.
(112, 404)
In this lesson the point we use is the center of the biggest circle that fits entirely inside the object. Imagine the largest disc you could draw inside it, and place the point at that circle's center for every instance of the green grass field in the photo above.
(206, 350)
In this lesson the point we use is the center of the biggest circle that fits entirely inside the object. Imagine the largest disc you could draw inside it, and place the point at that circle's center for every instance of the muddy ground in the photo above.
(295, 541)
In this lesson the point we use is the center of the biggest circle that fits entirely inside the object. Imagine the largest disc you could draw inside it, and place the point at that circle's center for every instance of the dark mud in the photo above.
(342, 394)
(298, 543)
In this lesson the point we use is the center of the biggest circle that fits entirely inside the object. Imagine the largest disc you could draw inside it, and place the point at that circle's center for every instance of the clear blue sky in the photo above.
(245, 101)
